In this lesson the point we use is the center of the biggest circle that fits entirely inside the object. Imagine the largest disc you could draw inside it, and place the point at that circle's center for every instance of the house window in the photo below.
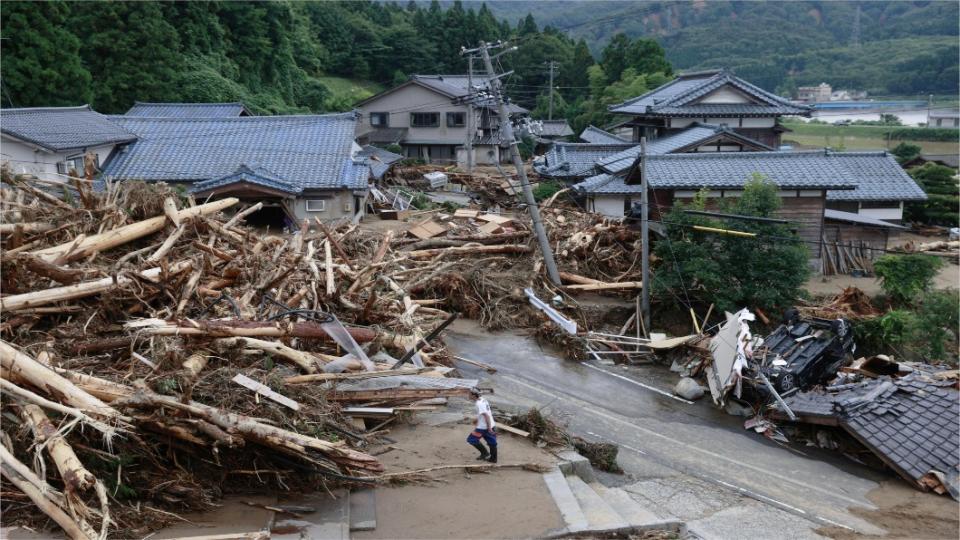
(75, 163)
(456, 119)
(421, 119)
(316, 205)
(380, 119)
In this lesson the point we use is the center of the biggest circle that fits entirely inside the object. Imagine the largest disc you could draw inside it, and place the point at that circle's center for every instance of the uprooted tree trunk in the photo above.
(311, 449)
(75, 476)
(23, 367)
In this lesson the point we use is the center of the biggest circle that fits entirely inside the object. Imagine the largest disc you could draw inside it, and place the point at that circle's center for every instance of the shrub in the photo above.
(904, 277)
(545, 190)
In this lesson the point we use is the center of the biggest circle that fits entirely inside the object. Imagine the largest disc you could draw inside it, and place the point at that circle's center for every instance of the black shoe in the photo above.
(483, 452)
(493, 454)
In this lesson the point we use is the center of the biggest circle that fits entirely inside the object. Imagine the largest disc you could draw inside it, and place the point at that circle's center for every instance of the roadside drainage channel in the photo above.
(590, 507)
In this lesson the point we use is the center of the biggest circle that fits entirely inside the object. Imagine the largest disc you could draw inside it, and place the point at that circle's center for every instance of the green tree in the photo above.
(766, 271)
(41, 57)
(905, 277)
(132, 52)
(942, 206)
(905, 151)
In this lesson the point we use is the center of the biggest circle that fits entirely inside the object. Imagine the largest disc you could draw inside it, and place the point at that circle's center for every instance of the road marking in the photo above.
(749, 493)
(852, 502)
(631, 381)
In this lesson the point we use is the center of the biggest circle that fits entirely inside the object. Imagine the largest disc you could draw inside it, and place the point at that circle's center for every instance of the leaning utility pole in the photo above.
(644, 237)
(553, 65)
(470, 128)
(506, 130)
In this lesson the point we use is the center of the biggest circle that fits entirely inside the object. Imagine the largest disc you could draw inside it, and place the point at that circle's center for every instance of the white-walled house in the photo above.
(709, 97)
(427, 117)
(51, 141)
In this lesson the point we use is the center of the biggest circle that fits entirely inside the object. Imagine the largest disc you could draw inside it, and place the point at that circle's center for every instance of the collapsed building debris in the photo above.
(910, 423)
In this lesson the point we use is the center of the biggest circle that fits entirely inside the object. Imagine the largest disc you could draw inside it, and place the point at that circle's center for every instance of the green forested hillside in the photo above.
(286, 56)
(274, 56)
(896, 47)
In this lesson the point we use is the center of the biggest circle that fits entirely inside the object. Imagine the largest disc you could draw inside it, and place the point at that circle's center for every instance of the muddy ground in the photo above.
(504, 503)
(906, 514)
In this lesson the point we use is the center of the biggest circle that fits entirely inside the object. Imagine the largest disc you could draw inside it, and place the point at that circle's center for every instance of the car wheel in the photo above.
(786, 382)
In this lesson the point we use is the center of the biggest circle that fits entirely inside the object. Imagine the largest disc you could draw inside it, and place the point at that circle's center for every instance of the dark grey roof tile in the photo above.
(310, 151)
(59, 129)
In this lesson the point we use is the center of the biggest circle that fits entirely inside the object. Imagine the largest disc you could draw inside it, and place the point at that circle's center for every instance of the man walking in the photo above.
(485, 428)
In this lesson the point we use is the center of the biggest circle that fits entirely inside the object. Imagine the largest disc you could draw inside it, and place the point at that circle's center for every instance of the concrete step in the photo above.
(363, 509)
(331, 521)
(566, 502)
(600, 515)
(637, 517)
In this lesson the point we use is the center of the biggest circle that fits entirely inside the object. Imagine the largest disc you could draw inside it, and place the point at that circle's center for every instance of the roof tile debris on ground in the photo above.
(910, 423)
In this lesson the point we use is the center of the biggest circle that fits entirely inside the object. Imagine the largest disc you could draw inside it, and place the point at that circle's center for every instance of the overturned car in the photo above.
(802, 353)
(797, 355)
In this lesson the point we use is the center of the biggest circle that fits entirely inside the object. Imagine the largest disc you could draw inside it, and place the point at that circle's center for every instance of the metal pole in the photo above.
(644, 234)
(929, 104)
(470, 128)
(550, 115)
(507, 130)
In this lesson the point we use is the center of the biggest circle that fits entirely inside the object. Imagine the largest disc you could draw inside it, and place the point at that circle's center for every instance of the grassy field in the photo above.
(355, 90)
(856, 138)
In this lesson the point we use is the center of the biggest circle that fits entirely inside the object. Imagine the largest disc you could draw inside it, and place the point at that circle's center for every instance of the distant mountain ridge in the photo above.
(887, 48)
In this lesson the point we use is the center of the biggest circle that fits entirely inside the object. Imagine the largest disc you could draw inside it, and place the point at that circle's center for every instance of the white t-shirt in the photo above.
(484, 407)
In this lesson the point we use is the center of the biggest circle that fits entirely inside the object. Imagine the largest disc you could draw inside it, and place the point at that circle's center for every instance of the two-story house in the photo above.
(427, 117)
(709, 97)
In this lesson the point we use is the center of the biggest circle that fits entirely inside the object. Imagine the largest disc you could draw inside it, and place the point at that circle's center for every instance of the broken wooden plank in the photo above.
(392, 394)
(605, 286)
(427, 229)
(265, 391)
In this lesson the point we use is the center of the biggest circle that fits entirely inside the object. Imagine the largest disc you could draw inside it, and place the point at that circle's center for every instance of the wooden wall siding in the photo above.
(851, 233)
(805, 212)
(767, 136)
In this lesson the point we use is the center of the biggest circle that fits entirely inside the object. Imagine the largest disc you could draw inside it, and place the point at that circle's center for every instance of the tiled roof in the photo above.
(664, 145)
(59, 129)
(187, 110)
(566, 160)
(378, 159)
(311, 152)
(873, 175)
(452, 86)
(910, 423)
(731, 170)
(850, 217)
(386, 135)
(555, 128)
(679, 98)
(596, 135)
(879, 178)
(250, 175)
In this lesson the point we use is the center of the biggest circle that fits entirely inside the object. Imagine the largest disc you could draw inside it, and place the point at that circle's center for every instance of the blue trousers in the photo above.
(489, 435)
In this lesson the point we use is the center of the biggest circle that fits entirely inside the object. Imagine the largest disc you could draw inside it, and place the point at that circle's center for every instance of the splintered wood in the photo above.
(154, 347)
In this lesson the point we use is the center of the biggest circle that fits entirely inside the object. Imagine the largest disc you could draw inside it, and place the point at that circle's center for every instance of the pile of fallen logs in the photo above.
(156, 354)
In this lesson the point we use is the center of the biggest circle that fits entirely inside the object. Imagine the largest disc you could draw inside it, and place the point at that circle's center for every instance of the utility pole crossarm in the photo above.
(506, 130)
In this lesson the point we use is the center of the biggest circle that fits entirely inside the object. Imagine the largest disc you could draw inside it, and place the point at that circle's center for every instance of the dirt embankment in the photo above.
(906, 514)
